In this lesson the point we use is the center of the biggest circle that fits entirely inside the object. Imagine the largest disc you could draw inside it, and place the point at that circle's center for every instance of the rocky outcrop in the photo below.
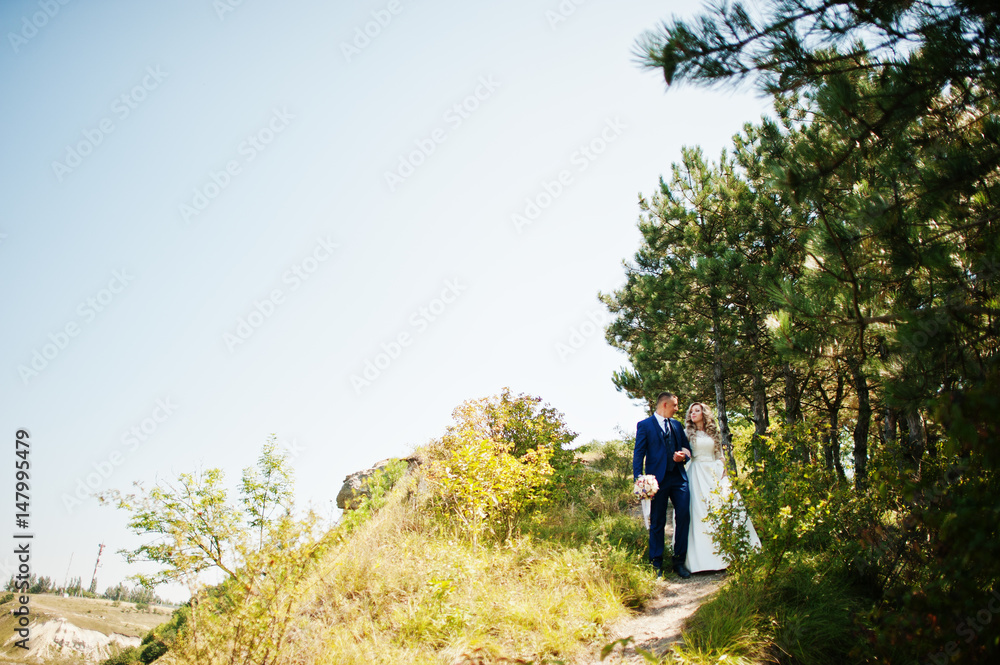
(59, 641)
(356, 488)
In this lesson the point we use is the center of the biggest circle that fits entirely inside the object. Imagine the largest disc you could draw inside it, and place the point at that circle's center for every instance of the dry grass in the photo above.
(404, 584)
(406, 590)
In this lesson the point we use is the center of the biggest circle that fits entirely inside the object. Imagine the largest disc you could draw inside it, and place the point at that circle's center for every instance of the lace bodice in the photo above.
(702, 447)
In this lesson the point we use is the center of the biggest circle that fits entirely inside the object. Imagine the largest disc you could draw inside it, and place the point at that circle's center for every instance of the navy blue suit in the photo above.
(655, 449)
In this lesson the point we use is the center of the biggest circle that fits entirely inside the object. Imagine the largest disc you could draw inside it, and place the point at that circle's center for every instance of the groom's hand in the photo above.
(679, 456)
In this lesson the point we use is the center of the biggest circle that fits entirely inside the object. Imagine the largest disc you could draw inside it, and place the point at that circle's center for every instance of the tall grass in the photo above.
(398, 582)
(803, 614)
(406, 588)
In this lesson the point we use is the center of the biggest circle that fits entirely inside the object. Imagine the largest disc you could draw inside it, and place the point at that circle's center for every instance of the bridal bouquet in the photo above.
(645, 487)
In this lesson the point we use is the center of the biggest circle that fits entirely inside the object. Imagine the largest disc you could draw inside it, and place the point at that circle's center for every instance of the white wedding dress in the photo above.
(705, 473)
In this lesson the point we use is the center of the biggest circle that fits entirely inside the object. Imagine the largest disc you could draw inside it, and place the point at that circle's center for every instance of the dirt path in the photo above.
(659, 625)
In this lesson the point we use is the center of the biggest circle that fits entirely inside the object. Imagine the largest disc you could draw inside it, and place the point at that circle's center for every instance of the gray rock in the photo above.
(356, 488)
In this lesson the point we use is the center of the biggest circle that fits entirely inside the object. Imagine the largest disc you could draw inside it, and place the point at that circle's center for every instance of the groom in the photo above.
(660, 442)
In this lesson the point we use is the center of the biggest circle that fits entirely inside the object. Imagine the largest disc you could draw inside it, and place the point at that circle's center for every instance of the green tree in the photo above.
(264, 550)
(194, 526)
(266, 489)
(892, 150)
(888, 146)
(692, 313)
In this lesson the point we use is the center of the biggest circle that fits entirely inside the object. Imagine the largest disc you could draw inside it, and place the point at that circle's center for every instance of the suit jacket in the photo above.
(654, 448)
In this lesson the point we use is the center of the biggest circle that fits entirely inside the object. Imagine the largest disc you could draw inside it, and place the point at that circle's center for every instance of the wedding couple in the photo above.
(688, 465)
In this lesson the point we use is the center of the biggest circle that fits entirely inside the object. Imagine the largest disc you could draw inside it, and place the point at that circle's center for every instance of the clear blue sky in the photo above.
(215, 218)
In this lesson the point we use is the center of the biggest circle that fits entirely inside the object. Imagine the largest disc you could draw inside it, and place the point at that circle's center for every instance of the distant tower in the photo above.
(66, 581)
(93, 581)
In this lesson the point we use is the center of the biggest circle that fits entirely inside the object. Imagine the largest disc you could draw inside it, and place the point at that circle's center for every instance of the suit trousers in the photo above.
(674, 489)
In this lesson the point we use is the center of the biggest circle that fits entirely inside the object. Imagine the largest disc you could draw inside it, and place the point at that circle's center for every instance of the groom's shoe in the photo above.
(657, 566)
(681, 571)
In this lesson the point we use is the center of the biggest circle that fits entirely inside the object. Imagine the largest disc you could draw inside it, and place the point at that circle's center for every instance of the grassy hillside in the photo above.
(401, 582)
(499, 543)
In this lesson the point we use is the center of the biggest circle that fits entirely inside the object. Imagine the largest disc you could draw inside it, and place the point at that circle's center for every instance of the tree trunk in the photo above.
(759, 403)
(760, 421)
(861, 428)
(833, 443)
(719, 379)
(918, 437)
(889, 427)
(890, 415)
(793, 411)
(831, 447)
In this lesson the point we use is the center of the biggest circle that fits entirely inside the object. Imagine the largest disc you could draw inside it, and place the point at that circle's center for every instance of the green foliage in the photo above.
(137, 594)
(494, 464)
(935, 560)
(127, 656)
(250, 619)
(517, 423)
(594, 501)
(486, 487)
(790, 501)
(403, 589)
(195, 525)
(879, 178)
(264, 549)
(266, 489)
(155, 643)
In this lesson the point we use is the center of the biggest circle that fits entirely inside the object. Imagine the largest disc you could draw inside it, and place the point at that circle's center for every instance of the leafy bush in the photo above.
(486, 488)
(154, 644)
(494, 464)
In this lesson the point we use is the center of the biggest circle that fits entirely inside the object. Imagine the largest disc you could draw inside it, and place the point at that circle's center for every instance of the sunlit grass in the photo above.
(405, 588)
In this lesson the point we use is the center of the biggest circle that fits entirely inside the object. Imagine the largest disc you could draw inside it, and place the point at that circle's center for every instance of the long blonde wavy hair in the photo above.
(710, 427)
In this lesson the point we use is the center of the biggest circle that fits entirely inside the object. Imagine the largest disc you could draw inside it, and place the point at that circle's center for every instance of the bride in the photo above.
(706, 471)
